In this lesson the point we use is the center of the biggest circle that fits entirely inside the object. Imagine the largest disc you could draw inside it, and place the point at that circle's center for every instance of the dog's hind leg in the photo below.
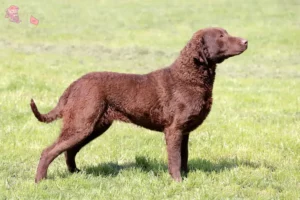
(61, 145)
(70, 154)
(77, 126)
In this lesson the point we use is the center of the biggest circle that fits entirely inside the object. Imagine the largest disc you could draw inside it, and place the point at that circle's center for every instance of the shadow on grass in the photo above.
(146, 164)
(113, 169)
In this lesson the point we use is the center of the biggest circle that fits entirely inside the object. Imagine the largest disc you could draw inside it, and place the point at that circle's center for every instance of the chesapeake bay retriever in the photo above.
(174, 100)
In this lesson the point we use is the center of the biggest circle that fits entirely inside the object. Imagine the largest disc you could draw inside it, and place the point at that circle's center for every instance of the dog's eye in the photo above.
(221, 35)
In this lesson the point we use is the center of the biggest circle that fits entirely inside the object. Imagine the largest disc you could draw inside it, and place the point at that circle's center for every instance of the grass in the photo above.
(248, 148)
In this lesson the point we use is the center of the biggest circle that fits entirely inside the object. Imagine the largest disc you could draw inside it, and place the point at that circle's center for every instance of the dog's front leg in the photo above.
(184, 153)
(173, 140)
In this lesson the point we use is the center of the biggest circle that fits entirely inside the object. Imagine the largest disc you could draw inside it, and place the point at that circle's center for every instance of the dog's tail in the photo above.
(55, 112)
(46, 118)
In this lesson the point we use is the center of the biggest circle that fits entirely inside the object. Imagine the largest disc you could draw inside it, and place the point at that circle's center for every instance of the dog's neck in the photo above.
(187, 69)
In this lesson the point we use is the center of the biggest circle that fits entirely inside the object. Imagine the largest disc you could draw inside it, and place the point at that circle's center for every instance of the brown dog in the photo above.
(174, 100)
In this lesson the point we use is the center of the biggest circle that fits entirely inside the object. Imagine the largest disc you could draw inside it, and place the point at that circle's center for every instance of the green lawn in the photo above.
(249, 146)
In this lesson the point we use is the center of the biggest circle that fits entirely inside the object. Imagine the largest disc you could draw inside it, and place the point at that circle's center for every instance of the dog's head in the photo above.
(214, 45)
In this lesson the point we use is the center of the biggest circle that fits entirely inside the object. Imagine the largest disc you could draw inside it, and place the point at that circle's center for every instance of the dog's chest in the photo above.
(206, 107)
(198, 113)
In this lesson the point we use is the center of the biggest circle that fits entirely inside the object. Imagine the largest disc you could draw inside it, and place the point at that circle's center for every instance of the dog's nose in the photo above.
(244, 42)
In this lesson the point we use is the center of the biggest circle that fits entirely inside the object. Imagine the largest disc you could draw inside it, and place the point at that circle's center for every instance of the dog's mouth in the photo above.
(222, 58)
(236, 52)
(242, 50)
(239, 48)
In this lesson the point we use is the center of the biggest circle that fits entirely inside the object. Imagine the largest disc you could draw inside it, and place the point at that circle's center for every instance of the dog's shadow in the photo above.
(113, 169)
(146, 164)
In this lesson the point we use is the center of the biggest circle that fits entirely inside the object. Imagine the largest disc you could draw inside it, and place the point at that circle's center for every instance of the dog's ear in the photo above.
(198, 51)
(201, 50)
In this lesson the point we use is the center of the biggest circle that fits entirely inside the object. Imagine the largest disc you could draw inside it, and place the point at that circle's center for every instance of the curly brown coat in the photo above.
(174, 100)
